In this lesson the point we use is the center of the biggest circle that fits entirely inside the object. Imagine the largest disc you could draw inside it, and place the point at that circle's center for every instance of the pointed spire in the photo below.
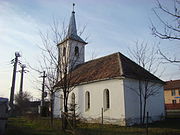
(72, 24)
(72, 31)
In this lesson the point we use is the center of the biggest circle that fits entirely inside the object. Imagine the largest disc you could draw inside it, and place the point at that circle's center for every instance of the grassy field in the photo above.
(32, 126)
(167, 127)
(41, 126)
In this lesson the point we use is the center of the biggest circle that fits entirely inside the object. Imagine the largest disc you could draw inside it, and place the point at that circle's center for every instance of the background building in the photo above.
(172, 95)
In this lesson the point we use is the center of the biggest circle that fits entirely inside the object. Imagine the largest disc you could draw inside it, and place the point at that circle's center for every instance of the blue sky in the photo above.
(112, 26)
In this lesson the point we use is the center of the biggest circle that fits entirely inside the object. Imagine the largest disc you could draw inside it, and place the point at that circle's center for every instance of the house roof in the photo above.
(109, 67)
(173, 84)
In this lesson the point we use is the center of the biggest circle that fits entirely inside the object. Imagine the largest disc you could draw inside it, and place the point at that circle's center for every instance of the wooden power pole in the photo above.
(15, 61)
(43, 95)
(23, 66)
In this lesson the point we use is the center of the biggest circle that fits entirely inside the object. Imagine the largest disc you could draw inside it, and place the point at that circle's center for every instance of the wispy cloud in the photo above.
(16, 24)
(18, 31)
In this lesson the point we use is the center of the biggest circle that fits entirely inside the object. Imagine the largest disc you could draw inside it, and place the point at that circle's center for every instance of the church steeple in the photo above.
(72, 47)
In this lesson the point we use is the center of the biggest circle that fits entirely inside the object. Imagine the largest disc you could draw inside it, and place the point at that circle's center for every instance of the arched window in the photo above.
(61, 102)
(64, 51)
(106, 99)
(76, 51)
(87, 100)
(73, 99)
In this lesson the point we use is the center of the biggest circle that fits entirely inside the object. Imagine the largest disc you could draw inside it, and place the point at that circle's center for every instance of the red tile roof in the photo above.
(175, 84)
(109, 67)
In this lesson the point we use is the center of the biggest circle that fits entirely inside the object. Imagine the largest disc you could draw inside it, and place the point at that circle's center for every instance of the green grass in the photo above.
(33, 126)
(41, 126)
(166, 127)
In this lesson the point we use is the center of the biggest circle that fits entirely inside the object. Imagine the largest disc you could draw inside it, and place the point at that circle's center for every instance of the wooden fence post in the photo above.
(102, 115)
(147, 123)
(74, 116)
(62, 118)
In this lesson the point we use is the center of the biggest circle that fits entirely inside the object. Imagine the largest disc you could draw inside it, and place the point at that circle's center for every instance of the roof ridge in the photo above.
(172, 80)
(102, 57)
(120, 64)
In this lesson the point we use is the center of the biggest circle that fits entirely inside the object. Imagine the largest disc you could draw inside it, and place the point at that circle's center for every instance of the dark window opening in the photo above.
(107, 99)
(174, 101)
(64, 51)
(173, 92)
(87, 101)
(76, 51)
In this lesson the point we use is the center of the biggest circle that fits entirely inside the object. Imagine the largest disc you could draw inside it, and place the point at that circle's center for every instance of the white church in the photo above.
(106, 85)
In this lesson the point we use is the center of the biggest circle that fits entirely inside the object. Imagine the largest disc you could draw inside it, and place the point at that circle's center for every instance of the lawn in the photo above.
(32, 126)
(41, 126)
(166, 127)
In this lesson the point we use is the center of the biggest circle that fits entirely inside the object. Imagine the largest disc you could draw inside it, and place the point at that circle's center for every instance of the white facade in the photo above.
(155, 103)
(124, 103)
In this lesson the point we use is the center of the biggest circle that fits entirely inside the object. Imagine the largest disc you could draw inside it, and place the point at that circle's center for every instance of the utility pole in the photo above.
(15, 61)
(42, 98)
(23, 66)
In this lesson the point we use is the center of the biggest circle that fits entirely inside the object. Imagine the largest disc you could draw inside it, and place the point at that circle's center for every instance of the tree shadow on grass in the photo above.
(171, 123)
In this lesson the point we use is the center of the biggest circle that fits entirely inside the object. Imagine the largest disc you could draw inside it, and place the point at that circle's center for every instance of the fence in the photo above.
(104, 119)
(172, 106)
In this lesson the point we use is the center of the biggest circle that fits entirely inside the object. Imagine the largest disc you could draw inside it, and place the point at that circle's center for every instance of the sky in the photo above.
(111, 26)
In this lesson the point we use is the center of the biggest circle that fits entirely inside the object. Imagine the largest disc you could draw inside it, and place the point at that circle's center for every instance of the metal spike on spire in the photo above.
(73, 7)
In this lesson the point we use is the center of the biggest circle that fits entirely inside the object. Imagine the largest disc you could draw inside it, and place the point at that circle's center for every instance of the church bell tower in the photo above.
(72, 47)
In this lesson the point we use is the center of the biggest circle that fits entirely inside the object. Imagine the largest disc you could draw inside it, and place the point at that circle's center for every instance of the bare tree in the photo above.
(59, 63)
(168, 59)
(148, 59)
(170, 21)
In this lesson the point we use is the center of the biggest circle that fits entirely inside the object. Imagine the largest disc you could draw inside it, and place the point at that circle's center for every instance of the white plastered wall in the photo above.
(155, 104)
(115, 114)
(77, 59)
(56, 109)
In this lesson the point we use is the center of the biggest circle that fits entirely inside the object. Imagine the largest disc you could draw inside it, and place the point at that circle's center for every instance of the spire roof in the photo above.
(72, 31)
(72, 25)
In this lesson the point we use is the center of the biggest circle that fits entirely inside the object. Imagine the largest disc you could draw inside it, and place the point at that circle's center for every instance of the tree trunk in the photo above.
(52, 117)
(140, 101)
(65, 114)
(144, 109)
(145, 100)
